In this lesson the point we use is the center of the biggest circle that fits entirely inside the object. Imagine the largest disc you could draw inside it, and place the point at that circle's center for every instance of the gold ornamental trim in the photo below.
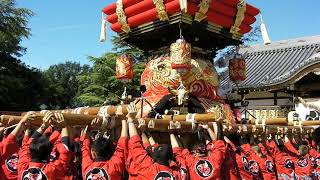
(122, 18)
(161, 10)
(242, 8)
(203, 9)
(180, 52)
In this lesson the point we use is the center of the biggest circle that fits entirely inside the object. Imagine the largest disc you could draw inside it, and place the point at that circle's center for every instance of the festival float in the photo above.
(179, 82)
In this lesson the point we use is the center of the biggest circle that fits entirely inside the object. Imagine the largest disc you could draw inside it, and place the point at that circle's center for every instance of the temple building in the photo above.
(277, 73)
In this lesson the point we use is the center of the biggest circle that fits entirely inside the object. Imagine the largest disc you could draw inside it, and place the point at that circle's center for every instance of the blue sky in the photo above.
(69, 29)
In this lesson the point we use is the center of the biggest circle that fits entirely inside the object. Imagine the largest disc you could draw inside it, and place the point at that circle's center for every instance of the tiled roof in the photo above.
(278, 62)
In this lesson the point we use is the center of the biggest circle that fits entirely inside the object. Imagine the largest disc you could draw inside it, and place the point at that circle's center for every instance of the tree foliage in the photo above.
(101, 86)
(121, 47)
(21, 87)
(63, 84)
(13, 27)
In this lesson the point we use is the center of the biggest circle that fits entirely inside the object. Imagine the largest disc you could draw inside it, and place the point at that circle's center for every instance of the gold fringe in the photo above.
(203, 9)
(122, 18)
(161, 10)
(242, 7)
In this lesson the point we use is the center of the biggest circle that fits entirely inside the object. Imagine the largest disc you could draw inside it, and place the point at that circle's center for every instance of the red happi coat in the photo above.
(241, 162)
(315, 155)
(302, 164)
(181, 167)
(9, 158)
(204, 167)
(266, 164)
(130, 166)
(283, 161)
(248, 166)
(229, 168)
(145, 168)
(111, 169)
(44, 170)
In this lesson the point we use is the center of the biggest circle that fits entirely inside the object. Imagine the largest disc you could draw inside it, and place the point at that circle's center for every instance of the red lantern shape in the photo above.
(237, 69)
(124, 68)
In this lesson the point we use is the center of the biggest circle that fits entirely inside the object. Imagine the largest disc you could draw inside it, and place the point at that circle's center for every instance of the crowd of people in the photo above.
(55, 151)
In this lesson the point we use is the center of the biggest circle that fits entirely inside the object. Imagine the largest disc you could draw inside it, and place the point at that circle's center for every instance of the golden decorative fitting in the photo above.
(151, 124)
(161, 10)
(180, 52)
(122, 18)
(242, 7)
(203, 9)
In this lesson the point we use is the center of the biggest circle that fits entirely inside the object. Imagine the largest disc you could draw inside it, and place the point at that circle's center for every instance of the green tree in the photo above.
(121, 47)
(63, 84)
(101, 85)
(21, 88)
(13, 27)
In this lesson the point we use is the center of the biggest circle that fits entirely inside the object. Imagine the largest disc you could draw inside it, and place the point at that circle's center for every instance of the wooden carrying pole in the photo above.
(183, 126)
(259, 129)
(311, 123)
(71, 119)
(167, 126)
(270, 121)
(162, 125)
(122, 109)
(111, 110)
(117, 112)
(83, 120)
(193, 117)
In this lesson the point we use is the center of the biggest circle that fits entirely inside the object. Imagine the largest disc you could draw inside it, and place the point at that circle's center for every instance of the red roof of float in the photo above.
(222, 13)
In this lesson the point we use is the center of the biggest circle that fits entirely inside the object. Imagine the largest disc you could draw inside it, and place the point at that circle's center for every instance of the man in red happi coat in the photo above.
(9, 148)
(100, 159)
(300, 156)
(205, 165)
(147, 167)
(282, 159)
(35, 152)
